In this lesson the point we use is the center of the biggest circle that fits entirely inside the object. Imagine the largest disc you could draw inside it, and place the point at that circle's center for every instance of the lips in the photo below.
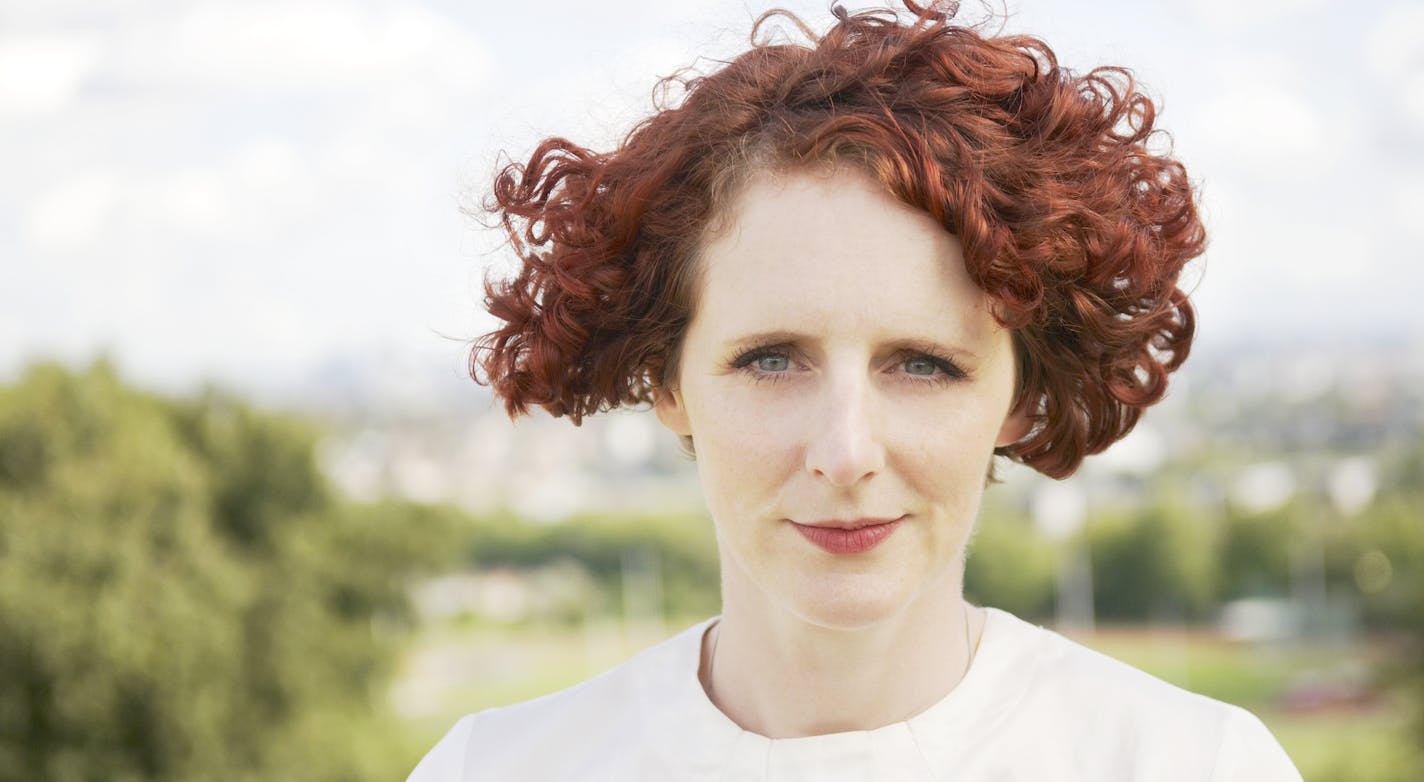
(848, 537)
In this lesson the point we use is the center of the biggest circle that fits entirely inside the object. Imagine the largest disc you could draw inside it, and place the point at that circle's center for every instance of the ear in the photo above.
(1017, 424)
(667, 403)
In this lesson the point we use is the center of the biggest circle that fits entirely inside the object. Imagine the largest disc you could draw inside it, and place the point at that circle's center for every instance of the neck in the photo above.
(781, 676)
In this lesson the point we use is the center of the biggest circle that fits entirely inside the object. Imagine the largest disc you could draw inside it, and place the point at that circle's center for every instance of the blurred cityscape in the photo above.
(1257, 424)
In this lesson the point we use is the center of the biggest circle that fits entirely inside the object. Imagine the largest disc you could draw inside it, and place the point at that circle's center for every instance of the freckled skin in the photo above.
(844, 415)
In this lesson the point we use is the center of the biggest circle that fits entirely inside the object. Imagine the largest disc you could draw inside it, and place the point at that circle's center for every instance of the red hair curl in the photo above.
(1066, 217)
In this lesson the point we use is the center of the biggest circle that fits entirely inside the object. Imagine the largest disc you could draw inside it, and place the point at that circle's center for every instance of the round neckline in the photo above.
(982, 697)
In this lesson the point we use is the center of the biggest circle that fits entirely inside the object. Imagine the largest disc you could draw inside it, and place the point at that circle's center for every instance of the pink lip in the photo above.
(848, 537)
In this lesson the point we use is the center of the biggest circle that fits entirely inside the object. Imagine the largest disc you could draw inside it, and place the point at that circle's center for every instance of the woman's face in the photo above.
(840, 368)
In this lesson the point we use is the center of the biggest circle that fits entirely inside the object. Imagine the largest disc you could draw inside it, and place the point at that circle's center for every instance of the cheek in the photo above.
(945, 452)
(744, 451)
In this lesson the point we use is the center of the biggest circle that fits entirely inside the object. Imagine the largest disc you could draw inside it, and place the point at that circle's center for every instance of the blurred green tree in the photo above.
(182, 598)
(1151, 563)
(1380, 555)
(1255, 552)
(685, 549)
(1010, 566)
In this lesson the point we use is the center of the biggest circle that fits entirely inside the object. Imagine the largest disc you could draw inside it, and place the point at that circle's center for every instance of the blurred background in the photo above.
(256, 522)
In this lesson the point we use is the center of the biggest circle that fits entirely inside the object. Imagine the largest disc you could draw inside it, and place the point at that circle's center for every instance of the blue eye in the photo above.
(929, 368)
(772, 363)
(767, 364)
(920, 366)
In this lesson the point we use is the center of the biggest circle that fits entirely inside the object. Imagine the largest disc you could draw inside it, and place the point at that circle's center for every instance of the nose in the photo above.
(843, 445)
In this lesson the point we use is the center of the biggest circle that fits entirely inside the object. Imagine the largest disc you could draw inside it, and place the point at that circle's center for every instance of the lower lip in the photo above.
(847, 541)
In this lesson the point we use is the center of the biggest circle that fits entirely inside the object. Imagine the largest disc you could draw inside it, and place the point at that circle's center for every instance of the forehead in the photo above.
(832, 248)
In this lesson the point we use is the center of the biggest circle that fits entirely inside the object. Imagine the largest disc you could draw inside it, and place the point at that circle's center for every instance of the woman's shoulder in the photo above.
(1070, 692)
(623, 706)
(1065, 670)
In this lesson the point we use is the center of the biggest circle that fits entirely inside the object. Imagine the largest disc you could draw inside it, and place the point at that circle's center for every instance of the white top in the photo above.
(1033, 706)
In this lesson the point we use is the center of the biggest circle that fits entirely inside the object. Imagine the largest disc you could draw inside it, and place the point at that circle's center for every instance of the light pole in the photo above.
(1059, 512)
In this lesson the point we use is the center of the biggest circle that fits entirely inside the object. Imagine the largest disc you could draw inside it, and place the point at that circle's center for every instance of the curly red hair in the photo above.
(1066, 217)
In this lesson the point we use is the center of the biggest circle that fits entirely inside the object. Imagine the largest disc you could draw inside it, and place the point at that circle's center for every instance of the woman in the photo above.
(848, 275)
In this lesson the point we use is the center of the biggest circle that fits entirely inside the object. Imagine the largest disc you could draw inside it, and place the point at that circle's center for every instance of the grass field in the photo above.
(1320, 701)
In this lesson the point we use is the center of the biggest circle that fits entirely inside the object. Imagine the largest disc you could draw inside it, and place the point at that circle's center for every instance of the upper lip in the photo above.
(849, 523)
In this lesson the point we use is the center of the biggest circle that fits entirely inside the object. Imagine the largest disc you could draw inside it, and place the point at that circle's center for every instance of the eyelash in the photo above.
(949, 371)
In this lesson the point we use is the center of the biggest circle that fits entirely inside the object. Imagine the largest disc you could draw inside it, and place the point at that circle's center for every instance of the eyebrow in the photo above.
(914, 344)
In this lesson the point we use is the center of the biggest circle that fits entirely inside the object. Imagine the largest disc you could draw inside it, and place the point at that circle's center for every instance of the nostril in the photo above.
(845, 463)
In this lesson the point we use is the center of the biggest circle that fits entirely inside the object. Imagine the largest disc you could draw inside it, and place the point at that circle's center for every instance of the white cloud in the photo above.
(1409, 205)
(22, 13)
(1260, 117)
(194, 200)
(298, 46)
(1394, 54)
(273, 170)
(1395, 47)
(1233, 14)
(250, 192)
(1262, 253)
(43, 74)
(1268, 127)
(1411, 98)
(73, 214)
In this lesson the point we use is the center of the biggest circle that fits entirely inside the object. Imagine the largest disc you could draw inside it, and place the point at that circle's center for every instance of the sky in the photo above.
(247, 191)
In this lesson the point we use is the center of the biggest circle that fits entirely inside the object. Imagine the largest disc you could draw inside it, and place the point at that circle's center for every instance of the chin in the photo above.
(849, 604)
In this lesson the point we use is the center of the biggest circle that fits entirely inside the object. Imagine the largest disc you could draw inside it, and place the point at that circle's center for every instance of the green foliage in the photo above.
(1379, 556)
(1011, 567)
(1392, 530)
(180, 596)
(1255, 552)
(684, 547)
(1154, 562)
